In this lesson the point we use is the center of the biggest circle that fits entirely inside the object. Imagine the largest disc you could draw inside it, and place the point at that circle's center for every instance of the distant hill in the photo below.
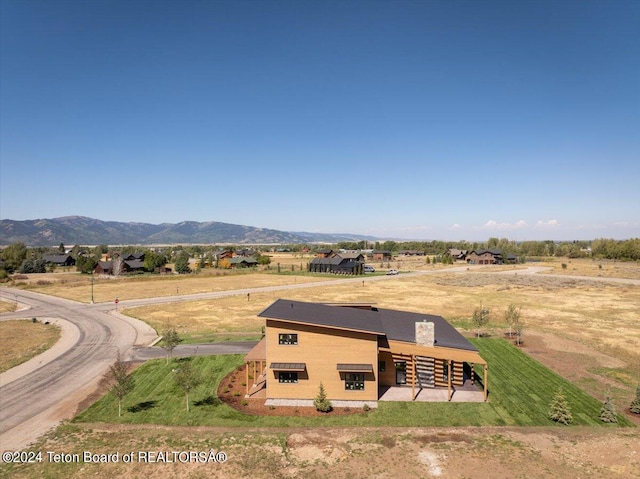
(72, 230)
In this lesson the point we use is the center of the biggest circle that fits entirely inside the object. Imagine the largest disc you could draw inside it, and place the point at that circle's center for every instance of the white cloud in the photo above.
(551, 223)
(494, 225)
(455, 226)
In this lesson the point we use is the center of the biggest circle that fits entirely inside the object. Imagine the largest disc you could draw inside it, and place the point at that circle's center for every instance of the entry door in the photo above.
(401, 372)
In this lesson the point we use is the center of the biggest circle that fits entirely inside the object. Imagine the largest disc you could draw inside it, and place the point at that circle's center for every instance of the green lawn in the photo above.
(520, 391)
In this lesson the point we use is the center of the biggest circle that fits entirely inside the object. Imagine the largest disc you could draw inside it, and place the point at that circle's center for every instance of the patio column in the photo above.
(486, 378)
(449, 379)
(246, 381)
(413, 377)
(473, 376)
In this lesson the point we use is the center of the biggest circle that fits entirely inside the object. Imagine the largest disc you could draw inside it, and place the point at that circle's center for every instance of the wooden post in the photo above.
(246, 374)
(413, 379)
(486, 378)
(449, 379)
(473, 376)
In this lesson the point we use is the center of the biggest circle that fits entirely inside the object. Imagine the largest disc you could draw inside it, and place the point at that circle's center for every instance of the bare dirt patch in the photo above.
(355, 452)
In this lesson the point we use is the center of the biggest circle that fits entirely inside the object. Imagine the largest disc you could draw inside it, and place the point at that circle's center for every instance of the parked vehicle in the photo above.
(392, 272)
(369, 269)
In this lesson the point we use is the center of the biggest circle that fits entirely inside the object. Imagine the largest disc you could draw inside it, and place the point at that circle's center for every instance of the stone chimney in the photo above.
(425, 334)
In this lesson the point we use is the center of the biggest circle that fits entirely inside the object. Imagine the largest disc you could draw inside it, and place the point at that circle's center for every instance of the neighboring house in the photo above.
(356, 351)
(59, 259)
(411, 252)
(104, 267)
(381, 255)
(242, 262)
(325, 253)
(245, 252)
(342, 263)
(134, 257)
(134, 265)
(457, 254)
(223, 254)
(489, 256)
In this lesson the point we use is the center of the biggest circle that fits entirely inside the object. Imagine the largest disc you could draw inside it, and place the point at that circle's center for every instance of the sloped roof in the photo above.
(394, 325)
(56, 258)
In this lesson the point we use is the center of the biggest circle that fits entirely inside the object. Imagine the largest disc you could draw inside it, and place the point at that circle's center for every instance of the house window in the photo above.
(354, 382)
(382, 366)
(285, 377)
(287, 338)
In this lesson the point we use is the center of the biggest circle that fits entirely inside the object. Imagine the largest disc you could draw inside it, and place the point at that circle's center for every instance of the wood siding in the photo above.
(320, 349)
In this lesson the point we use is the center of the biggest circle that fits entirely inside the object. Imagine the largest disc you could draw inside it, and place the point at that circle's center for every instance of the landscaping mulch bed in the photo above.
(232, 391)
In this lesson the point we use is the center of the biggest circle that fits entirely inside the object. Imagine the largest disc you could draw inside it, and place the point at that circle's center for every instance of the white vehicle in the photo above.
(392, 272)
(369, 269)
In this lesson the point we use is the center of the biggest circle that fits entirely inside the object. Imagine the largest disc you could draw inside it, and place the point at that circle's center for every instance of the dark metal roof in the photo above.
(288, 366)
(392, 324)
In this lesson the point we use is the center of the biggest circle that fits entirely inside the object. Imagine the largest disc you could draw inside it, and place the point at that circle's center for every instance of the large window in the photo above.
(285, 377)
(354, 382)
(287, 338)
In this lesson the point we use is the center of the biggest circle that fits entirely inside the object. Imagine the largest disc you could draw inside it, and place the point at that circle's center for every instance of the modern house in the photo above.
(489, 256)
(356, 351)
(338, 263)
(59, 259)
(382, 255)
(242, 262)
(457, 254)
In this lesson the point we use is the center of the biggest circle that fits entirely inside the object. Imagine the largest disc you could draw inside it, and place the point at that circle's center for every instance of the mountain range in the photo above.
(80, 230)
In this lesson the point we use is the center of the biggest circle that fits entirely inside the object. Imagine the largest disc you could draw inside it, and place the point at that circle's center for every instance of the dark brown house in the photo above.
(382, 255)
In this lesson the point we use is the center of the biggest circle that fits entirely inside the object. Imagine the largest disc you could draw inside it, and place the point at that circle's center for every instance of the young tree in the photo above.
(518, 329)
(608, 412)
(559, 410)
(187, 378)
(61, 248)
(635, 404)
(123, 383)
(321, 402)
(480, 318)
(170, 339)
(511, 316)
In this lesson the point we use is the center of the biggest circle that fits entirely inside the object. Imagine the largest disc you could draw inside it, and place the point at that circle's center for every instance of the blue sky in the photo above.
(407, 119)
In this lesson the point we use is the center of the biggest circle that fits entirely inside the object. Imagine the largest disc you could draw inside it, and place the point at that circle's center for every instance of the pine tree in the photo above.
(321, 402)
(635, 404)
(559, 410)
(608, 412)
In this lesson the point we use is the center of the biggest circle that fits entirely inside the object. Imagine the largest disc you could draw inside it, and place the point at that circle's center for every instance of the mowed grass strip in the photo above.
(521, 390)
(21, 340)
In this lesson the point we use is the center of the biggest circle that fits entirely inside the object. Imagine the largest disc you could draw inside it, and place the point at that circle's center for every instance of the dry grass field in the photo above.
(78, 287)
(23, 339)
(6, 306)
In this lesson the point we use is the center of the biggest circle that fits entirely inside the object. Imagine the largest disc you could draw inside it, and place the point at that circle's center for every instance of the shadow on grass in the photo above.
(142, 406)
(208, 401)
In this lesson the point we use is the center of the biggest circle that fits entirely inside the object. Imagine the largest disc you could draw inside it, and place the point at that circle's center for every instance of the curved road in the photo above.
(40, 395)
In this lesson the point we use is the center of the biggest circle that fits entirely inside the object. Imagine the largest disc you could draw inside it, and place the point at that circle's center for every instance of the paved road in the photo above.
(28, 404)
(37, 396)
